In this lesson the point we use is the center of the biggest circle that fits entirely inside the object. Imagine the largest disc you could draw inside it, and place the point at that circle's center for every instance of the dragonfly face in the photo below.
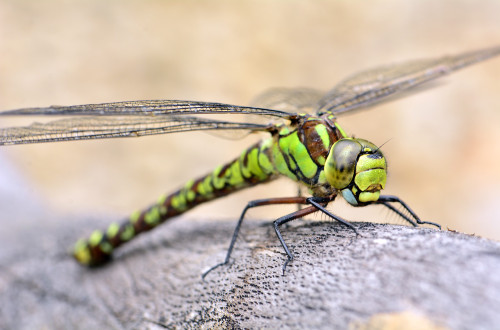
(358, 169)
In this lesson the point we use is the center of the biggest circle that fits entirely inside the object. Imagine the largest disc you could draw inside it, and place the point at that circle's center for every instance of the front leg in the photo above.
(413, 219)
(317, 204)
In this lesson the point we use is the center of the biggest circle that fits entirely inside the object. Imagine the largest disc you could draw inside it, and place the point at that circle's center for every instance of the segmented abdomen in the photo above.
(252, 167)
(298, 152)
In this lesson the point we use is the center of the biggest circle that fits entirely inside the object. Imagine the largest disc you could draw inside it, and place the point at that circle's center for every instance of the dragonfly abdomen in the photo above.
(252, 167)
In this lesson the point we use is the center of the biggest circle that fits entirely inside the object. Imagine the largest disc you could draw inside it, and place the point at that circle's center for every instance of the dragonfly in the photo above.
(304, 143)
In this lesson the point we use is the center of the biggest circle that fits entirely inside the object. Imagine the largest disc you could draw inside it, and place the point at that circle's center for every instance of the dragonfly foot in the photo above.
(430, 223)
(358, 234)
(212, 268)
(351, 226)
(285, 264)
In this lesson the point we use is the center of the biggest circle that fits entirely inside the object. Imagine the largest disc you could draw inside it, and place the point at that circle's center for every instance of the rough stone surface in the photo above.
(336, 280)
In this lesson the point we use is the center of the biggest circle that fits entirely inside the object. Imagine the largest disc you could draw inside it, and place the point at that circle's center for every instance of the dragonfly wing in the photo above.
(289, 99)
(373, 86)
(102, 127)
(146, 108)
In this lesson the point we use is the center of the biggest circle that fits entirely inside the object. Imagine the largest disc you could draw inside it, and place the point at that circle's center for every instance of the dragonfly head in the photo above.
(358, 169)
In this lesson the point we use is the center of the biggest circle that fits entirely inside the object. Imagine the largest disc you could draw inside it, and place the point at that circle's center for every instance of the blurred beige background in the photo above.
(443, 147)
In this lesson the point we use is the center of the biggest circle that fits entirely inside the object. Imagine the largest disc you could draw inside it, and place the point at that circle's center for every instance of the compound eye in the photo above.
(340, 165)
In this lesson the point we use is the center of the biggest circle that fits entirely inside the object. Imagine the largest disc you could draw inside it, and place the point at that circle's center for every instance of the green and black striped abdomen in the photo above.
(252, 167)
(298, 152)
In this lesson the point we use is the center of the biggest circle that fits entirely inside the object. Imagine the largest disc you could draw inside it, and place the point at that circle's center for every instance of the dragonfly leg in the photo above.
(285, 219)
(385, 200)
(317, 204)
(252, 204)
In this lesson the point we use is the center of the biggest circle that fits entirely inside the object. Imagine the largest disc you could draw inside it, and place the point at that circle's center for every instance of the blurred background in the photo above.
(443, 149)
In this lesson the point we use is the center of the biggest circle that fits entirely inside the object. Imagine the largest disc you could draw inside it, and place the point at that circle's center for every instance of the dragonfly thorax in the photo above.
(358, 169)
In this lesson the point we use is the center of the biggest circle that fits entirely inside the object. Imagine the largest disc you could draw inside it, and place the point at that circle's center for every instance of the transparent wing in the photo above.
(289, 99)
(373, 86)
(136, 118)
(128, 119)
(145, 108)
(84, 128)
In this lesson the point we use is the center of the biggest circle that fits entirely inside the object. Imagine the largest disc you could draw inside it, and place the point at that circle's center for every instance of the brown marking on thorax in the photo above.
(311, 139)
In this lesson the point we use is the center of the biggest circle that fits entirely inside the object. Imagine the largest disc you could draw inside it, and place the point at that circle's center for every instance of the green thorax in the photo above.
(299, 151)
(317, 153)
